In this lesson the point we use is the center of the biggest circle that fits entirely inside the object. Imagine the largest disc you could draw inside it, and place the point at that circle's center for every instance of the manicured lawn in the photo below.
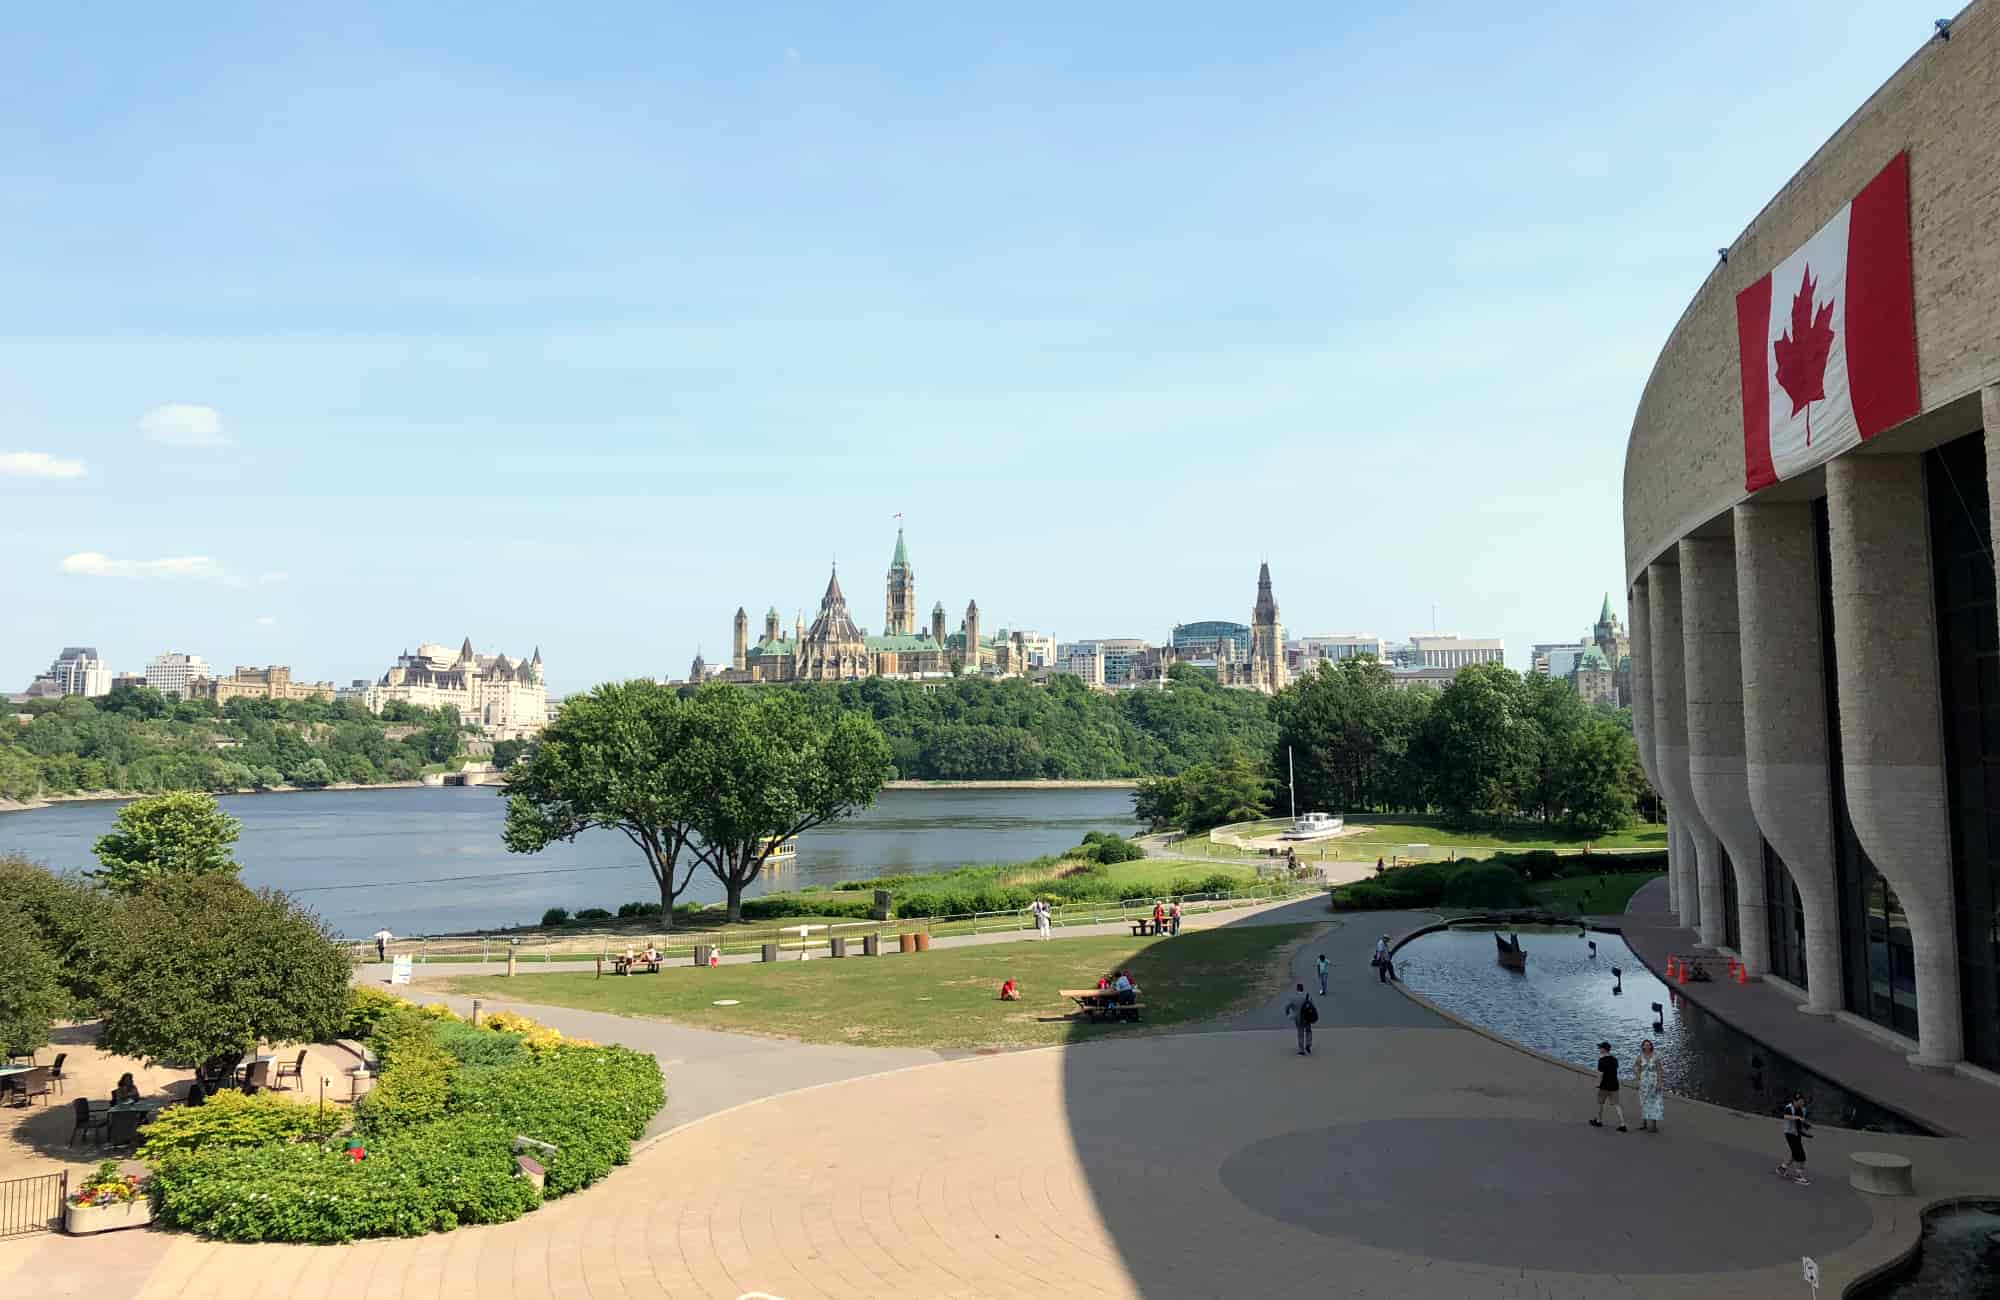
(943, 998)
(1605, 894)
(1384, 835)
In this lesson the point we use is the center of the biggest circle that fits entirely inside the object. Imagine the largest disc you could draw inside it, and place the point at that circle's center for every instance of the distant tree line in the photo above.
(1494, 747)
(975, 728)
(135, 739)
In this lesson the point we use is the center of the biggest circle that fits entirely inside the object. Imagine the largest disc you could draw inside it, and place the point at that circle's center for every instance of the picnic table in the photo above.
(1103, 1004)
(625, 965)
(1145, 925)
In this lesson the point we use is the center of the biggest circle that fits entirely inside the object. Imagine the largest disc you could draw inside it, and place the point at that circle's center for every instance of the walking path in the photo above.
(1946, 1103)
(1405, 1158)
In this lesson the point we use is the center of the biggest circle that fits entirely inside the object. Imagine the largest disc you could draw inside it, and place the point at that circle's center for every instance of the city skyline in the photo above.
(609, 335)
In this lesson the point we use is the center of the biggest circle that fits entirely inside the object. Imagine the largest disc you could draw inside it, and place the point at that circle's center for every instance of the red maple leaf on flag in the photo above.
(1802, 352)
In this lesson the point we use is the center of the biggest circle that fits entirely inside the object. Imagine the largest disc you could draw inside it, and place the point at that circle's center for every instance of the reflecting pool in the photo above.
(1566, 1001)
(1959, 1258)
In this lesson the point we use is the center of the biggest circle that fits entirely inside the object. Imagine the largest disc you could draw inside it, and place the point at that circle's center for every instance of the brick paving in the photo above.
(1406, 1157)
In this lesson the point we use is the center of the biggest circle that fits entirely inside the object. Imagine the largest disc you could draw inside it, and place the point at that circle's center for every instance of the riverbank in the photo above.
(119, 796)
(1120, 784)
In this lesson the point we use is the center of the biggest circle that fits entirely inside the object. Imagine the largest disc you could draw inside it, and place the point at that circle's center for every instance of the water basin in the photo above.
(1958, 1259)
(1563, 1005)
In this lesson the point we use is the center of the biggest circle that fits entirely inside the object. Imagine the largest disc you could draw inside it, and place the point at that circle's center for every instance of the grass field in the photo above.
(1598, 895)
(943, 998)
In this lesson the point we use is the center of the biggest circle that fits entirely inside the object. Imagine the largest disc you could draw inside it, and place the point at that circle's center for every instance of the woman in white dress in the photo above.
(1652, 1097)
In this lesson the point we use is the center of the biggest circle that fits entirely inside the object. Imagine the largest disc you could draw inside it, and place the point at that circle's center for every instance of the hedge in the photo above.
(436, 1133)
(1500, 880)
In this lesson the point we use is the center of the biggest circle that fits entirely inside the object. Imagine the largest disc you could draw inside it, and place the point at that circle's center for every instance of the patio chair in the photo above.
(86, 1120)
(55, 1071)
(35, 1083)
(296, 1070)
(256, 1076)
(196, 1094)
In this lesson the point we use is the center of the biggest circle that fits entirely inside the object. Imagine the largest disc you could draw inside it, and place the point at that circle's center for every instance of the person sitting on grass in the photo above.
(1010, 992)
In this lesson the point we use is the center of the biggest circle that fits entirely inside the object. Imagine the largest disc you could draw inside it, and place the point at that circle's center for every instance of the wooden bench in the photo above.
(625, 965)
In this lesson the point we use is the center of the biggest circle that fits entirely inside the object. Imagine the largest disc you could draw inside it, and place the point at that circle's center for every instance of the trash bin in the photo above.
(906, 943)
(838, 945)
(871, 945)
(770, 952)
(701, 952)
(923, 940)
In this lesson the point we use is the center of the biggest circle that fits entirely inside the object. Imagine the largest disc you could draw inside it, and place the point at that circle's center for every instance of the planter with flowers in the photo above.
(107, 1201)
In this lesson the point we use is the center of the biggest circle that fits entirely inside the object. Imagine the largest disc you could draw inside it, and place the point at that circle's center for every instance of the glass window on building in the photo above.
(1732, 916)
(1785, 920)
(1969, 679)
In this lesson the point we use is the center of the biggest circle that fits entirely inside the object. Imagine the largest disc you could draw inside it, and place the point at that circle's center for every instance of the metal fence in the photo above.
(32, 1204)
(591, 945)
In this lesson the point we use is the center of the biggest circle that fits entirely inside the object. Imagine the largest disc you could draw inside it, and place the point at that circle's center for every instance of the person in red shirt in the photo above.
(1009, 992)
(1159, 915)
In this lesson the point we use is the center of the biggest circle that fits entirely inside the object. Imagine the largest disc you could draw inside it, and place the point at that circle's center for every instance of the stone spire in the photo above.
(771, 623)
(937, 624)
(972, 653)
(1267, 637)
(739, 650)
(465, 655)
(901, 618)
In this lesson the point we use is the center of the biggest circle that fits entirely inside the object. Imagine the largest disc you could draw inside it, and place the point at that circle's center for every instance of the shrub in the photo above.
(226, 1120)
(478, 1046)
(1485, 884)
(590, 1102)
(539, 1039)
(365, 1009)
(555, 918)
(1366, 896)
(426, 1178)
(627, 911)
(416, 1073)
(1106, 846)
(592, 914)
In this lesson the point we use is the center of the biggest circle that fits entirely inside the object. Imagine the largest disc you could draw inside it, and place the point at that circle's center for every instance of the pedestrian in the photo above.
(382, 940)
(1303, 1015)
(1159, 917)
(1385, 962)
(1320, 965)
(1378, 866)
(1607, 1088)
(1797, 1130)
(1652, 1097)
(1174, 918)
(1040, 908)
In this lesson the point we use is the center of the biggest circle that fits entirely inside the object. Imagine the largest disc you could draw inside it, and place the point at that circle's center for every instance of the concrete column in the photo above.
(1701, 870)
(1784, 722)
(1715, 732)
(1891, 728)
(1642, 724)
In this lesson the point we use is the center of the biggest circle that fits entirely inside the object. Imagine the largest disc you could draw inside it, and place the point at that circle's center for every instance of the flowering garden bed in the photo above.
(432, 1145)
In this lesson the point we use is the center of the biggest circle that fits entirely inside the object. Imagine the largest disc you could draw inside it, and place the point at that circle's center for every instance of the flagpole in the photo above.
(1292, 782)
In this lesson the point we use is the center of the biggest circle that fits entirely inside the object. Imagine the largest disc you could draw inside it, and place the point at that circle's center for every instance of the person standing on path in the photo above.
(1385, 962)
(1304, 1015)
(1320, 965)
(1652, 1097)
(1175, 918)
(1607, 1088)
(1040, 908)
(1797, 1130)
(382, 938)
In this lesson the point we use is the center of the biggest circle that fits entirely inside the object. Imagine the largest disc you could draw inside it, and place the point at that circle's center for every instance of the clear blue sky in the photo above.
(581, 326)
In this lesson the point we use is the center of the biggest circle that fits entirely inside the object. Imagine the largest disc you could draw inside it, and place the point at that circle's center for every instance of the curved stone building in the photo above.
(1809, 502)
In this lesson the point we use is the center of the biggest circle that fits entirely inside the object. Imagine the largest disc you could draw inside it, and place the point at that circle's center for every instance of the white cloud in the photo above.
(267, 621)
(94, 564)
(179, 424)
(38, 464)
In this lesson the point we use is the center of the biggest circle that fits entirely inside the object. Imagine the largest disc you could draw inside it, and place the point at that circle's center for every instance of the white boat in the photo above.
(1314, 826)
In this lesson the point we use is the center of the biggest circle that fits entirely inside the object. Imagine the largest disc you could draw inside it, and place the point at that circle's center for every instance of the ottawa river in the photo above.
(425, 861)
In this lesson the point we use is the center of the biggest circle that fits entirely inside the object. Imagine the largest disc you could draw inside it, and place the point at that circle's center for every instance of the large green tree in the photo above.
(200, 966)
(31, 993)
(177, 834)
(607, 763)
(755, 770)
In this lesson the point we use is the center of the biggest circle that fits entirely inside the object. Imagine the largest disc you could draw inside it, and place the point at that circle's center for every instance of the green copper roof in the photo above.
(770, 646)
(904, 644)
(902, 557)
(1605, 615)
(1593, 660)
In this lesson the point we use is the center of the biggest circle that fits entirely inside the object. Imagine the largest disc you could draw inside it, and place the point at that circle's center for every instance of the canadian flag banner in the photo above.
(1829, 338)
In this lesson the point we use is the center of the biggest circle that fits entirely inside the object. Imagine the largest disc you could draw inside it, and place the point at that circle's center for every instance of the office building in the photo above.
(174, 674)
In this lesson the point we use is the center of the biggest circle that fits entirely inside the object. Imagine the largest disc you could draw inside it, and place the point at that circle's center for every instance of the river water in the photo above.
(430, 861)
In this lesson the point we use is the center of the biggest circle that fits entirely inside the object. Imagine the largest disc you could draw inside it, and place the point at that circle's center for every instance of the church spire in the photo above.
(1604, 615)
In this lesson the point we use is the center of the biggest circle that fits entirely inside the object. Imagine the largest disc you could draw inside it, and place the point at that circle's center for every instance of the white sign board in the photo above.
(400, 972)
(1811, 1271)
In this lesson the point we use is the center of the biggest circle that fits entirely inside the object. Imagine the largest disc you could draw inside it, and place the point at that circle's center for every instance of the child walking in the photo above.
(1797, 1130)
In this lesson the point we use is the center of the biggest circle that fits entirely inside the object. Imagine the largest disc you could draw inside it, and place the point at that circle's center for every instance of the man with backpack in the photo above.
(1304, 1015)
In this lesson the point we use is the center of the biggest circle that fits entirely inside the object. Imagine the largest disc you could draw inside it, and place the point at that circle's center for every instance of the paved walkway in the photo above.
(1944, 1102)
(1406, 1157)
